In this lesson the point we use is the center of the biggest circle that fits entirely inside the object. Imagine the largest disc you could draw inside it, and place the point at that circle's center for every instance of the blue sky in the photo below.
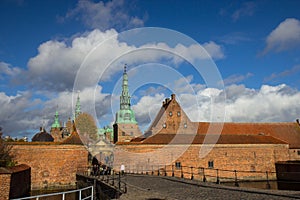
(255, 46)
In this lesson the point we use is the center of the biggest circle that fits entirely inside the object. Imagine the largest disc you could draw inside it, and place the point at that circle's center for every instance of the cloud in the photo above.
(214, 50)
(16, 117)
(284, 37)
(267, 104)
(23, 114)
(147, 108)
(7, 70)
(247, 9)
(294, 70)
(104, 15)
(55, 66)
(236, 78)
(57, 63)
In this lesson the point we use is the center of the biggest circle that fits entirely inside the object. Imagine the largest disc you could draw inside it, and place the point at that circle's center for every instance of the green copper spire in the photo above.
(56, 121)
(125, 98)
(78, 107)
(125, 114)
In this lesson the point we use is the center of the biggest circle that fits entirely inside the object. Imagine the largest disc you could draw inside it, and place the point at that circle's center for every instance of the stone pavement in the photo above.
(147, 187)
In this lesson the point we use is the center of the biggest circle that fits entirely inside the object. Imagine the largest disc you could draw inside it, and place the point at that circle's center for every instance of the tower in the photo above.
(126, 126)
(56, 128)
(56, 123)
(77, 107)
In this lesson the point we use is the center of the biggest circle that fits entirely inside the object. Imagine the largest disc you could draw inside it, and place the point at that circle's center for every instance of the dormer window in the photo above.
(164, 125)
(185, 125)
(170, 113)
(178, 113)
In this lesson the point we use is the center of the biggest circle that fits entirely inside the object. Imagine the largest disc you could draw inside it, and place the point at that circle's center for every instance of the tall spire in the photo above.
(56, 121)
(125, 114)
(125, 97)
(78, 107)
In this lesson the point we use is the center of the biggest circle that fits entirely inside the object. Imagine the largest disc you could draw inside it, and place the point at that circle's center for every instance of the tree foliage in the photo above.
(6, 159)
(86, 127)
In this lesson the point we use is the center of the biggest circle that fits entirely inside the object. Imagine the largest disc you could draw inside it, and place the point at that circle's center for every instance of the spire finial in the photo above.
(77, 107)
(125, 68)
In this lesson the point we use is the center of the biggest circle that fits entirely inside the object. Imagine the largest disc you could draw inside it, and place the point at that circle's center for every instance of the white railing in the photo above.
(63, 194)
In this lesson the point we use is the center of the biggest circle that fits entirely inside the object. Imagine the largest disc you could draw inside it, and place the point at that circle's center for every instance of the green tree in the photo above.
(6, 159)
(86, 127)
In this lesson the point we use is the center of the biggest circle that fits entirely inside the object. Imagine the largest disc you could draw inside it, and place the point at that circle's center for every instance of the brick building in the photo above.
(174, 140)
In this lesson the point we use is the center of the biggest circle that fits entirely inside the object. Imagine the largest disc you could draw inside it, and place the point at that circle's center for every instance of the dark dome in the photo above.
(42, 136)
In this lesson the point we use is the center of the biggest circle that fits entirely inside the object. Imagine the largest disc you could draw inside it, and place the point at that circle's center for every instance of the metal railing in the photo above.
(204, 174)
(89, 196)
(112, 178)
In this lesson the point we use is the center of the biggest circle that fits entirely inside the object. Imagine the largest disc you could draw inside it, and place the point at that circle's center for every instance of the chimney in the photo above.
(172, 96)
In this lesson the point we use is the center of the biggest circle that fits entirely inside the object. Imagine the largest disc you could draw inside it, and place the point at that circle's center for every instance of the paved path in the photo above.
(143, 187)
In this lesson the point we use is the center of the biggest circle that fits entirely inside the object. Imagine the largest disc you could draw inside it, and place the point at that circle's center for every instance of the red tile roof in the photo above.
(212, 139)
(285, 131)
(74, 138)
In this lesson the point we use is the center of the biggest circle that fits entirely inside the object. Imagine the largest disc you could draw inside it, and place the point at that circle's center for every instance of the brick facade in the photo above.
(52, 165)
(5, 186)
(15, 182)
(246, 147)
(125, 132)
(248, 158)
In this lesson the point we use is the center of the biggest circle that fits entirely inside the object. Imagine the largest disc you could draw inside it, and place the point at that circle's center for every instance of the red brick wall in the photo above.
(4, 186)
(15, 182)
(126, 132)
(294, 154)
(226, 157)
(52, 164)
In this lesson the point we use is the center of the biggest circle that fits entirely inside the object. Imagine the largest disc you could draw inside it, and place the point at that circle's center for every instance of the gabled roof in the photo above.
(231, 133)
(74, 138)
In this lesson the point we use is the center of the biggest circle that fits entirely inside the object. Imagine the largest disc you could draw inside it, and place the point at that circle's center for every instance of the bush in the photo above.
(6, 159)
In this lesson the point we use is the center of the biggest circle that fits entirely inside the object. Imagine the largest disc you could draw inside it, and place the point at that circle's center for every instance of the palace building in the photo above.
(172, 142)
(248, 147)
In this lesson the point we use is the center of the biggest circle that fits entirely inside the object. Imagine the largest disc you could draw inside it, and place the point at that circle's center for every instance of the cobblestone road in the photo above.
(143, 187)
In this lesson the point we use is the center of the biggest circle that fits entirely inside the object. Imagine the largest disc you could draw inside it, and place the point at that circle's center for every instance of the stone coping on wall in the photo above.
(14, 169)
(39, 143)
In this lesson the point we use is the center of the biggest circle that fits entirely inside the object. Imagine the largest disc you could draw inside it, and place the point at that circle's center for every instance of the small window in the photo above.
(211, 164)
(178, 165)
(185, 125)
(123, 133)
(252, 168)
(131, 133)
(170, 113)
(298, 152)
(178, 113)
(164, 125)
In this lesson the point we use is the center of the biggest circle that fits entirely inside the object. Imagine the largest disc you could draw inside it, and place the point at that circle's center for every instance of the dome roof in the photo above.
(42, 136)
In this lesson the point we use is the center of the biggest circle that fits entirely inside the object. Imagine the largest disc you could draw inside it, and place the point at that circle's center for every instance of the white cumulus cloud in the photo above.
(284, 37)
